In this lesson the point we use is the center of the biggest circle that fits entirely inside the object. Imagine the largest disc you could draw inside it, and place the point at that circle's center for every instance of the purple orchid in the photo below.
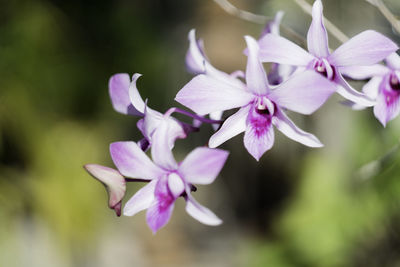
(366, 48)
(278, 72)
(384, 86)
(260, 106)
(168, 180)
(114, 183)
(126, 99)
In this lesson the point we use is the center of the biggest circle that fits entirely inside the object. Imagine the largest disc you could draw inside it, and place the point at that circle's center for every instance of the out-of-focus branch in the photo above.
(245, 15)
(338, 34)
(259, 19)
(386, 13)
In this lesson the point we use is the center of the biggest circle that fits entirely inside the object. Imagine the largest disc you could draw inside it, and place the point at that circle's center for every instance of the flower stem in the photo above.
(255, 18)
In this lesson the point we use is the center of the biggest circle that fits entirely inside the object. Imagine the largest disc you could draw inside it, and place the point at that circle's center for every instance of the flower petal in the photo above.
(288, 128)
(366, 48)
(317, 37)
(205, 94)
(393, 61)
(132, 162)
(160, 211)
(259, 135)
(216, 115)
(384, 112)
(202, 165)
(232, 126)
(348, 92)
(363, 72)
(273, 25)
(303, 93)
(160, 149)
(279, 73)
(141, 200)
(118, 88)
(198, 63)
(196, 60)
(177, 129)
(158, 216)
(274, 48)
(352, 105)
(371, 88)
(388, 103)
(134, 95)
(113, 181)
(175, 184)
(151, 121)
(201, 213)
(256, 78)
(238, 74)
(195, 57)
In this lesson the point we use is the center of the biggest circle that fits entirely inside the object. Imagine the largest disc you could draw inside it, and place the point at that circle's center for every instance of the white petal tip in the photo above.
(216, 223)
(317, 145)
(212, 144)
(136, 75)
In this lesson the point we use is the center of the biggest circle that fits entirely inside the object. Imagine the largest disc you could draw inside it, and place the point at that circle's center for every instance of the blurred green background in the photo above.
(296, 207)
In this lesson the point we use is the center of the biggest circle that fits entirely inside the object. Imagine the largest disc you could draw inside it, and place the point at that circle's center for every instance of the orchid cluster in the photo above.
(299, 81)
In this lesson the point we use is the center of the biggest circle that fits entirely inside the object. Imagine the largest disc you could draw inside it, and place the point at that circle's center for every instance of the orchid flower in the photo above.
(168, 180)
(366, 48)
(260, 106)
(278, 72)
(126, 99)
(384, 86)
(114, 183)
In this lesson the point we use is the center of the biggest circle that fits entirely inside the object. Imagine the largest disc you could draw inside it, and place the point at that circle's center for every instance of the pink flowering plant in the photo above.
(299, 81)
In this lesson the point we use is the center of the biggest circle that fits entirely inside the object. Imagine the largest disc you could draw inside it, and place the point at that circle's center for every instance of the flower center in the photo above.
(323, 67)
(261, 115)
(262, 109)
(264, 106)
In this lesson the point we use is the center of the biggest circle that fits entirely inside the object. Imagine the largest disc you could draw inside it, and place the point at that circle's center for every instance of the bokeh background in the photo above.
(296, 207)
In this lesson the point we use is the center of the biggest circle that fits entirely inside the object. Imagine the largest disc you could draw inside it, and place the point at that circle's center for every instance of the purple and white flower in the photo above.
(168, 180)
(126, 99)
(384, 86)
(366, 48)
(260, 106)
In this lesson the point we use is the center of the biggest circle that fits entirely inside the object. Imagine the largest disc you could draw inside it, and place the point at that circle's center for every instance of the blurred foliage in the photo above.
(297, 207)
